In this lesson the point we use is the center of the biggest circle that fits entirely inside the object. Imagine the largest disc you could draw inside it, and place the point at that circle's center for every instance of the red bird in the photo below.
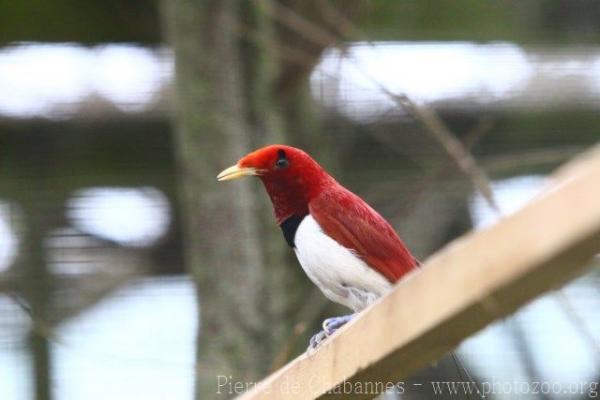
(345, 247)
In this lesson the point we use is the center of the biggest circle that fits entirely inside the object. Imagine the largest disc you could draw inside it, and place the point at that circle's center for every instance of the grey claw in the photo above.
(316, 340)
(330, 325)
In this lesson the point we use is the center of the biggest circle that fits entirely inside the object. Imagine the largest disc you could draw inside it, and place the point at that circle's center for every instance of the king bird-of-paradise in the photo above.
(345, 247)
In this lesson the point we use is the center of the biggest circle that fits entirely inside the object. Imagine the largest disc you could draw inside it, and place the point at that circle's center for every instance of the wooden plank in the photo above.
(473, 281)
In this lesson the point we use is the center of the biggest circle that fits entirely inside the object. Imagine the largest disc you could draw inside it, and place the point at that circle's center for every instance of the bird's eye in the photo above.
(282, 161)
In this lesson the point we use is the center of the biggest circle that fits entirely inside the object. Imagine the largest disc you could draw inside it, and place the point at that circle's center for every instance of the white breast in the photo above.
(340, 274)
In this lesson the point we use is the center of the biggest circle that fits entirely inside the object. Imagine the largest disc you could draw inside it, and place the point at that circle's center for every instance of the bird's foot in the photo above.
(316, 340)
(330, 325)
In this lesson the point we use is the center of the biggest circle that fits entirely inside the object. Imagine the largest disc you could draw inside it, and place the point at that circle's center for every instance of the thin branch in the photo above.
(436, 128)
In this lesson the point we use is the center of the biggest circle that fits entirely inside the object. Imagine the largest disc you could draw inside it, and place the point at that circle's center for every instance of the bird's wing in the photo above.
(346, 218)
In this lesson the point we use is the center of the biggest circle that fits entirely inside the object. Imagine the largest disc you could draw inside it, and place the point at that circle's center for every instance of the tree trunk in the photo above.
(223, 109)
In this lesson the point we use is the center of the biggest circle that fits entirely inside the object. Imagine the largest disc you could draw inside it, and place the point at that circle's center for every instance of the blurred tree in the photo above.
(237, 88)
(224, 251)
(226, 66)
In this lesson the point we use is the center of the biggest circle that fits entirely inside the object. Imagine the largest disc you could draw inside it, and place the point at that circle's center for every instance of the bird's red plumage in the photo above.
(355, 225)
(303, 186)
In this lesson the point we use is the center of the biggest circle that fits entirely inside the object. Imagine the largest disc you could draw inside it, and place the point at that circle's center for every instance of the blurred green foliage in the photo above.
(533, 21)
(85, 21)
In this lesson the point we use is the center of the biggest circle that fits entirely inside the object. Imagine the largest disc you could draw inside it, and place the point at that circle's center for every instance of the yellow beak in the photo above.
(234, 172)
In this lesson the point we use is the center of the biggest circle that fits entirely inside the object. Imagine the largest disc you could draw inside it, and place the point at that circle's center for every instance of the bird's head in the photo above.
(292, 178)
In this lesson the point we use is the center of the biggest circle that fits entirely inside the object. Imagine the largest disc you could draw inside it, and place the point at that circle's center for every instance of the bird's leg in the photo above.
(330, 325)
